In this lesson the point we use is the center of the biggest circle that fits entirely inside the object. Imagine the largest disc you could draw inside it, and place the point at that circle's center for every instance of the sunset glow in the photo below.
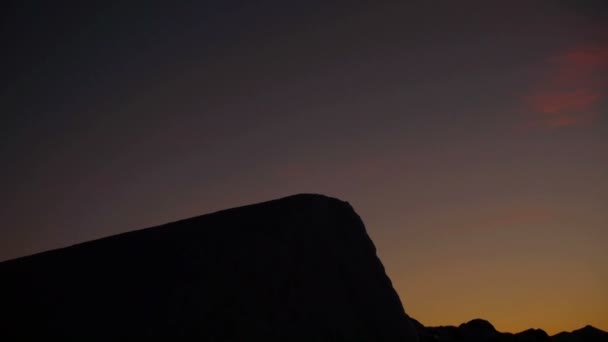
(471, 137)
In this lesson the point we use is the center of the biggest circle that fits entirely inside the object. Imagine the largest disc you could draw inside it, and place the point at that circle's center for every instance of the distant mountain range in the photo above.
(479, 330)
(301, 268)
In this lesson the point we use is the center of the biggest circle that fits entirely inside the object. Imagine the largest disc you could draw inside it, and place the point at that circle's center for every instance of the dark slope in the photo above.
(300, 268)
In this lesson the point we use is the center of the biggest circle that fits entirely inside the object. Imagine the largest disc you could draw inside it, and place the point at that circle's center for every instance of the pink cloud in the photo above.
(552, 103)
(570, 92)
(584, 57)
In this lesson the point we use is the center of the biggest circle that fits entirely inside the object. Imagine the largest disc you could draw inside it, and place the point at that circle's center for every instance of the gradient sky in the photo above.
(471, 136)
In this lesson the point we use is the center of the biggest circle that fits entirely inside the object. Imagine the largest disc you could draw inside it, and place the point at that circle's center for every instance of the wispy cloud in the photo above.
(569, 93)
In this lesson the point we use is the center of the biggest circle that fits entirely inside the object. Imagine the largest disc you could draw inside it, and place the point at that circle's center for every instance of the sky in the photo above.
(470, 136)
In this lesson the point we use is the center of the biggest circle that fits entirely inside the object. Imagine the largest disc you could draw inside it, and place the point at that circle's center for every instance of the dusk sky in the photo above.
(470, 136)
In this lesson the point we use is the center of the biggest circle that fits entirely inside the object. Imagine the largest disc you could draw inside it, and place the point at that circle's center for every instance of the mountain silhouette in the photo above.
(479, 330)
(585, 334)
(301, 268)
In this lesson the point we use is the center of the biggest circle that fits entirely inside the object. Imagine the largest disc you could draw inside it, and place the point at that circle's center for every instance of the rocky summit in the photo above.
(301, 268)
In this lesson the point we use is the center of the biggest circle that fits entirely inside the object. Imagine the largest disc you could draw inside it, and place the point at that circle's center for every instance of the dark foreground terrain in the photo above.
(300, 268)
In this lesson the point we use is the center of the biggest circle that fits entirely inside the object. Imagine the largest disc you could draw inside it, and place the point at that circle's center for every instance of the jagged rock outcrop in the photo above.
(300, 268)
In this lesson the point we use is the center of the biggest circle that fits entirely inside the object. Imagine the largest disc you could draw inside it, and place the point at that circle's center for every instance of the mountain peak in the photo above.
(300, 268)
(479, 325)
(589, 327)
(589, 332)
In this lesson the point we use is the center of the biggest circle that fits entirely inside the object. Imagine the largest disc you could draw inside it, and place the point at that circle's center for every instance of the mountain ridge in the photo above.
(299, 268)
(480, 330)
(195, 277)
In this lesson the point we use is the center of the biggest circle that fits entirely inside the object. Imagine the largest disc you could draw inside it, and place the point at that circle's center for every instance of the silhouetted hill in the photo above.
(533, 335)
(479, 330)
(586, 334)
(301, 268)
